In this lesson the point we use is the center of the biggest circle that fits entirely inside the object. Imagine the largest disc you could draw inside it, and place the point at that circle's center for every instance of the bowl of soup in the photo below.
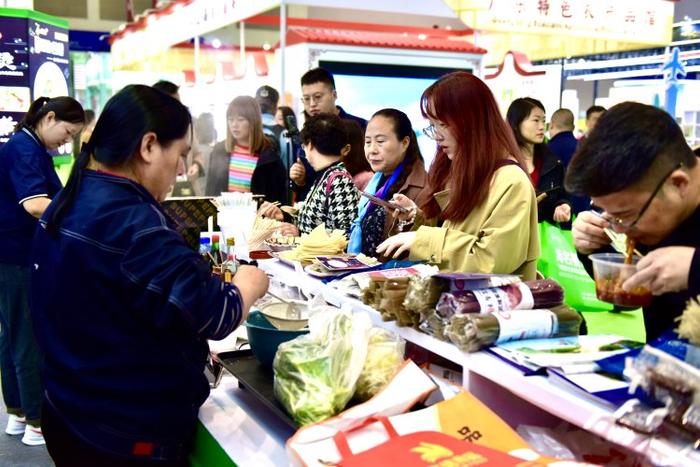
(610, 271)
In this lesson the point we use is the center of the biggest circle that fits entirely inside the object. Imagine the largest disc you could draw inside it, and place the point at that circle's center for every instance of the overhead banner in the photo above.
(178, 22)
(648, 21)
(559, 28)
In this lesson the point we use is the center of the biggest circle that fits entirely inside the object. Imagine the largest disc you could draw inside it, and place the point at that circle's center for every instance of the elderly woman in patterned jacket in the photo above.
(333, 197)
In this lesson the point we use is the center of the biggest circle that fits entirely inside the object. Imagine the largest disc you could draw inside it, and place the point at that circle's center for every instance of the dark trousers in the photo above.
(69, 450)
(20, 358)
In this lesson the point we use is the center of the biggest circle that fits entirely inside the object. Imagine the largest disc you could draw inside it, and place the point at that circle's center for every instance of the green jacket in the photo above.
(498, 236)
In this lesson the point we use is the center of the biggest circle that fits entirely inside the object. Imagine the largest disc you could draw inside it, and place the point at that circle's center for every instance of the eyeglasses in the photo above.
(429, 131)
(621, 226)
(316, 98)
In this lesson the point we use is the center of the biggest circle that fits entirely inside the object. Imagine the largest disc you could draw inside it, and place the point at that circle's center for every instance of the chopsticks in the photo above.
(618, 239)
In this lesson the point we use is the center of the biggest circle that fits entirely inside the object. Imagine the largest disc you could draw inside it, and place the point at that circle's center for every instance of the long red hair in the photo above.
(466, 105)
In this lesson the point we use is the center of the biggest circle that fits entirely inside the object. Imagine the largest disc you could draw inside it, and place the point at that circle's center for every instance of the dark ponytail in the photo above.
(116, 139)
(65, 108)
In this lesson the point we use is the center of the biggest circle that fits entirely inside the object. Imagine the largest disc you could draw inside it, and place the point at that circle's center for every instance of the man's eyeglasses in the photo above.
(316, 98)
(621, 226)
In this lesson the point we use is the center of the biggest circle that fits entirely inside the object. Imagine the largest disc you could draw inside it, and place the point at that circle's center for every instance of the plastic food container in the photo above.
(264, 338)
(610, 272)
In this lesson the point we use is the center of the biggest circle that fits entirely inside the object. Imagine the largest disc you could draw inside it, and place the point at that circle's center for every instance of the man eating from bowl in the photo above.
(644, 181)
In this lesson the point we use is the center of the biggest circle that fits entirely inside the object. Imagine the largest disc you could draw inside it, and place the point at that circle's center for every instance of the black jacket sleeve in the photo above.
(269, 178)
(694, 274)
(217, 178)
(552, 183)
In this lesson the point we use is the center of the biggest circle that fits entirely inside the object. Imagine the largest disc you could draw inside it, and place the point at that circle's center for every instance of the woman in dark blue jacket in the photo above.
(122, 307)
(28, 182)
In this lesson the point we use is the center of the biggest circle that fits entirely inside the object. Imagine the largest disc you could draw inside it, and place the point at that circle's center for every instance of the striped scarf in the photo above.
(240, 169)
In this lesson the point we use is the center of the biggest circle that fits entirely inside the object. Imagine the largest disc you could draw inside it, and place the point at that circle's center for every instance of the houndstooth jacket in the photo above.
(332, 200)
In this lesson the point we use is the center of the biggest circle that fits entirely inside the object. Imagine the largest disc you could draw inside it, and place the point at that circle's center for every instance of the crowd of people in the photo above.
(99, 290)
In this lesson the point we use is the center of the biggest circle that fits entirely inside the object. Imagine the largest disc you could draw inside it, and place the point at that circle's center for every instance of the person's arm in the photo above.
(277, 183)
(342, 203)
(171, 287)
(36, 206)
(501, 247)
(30, 184)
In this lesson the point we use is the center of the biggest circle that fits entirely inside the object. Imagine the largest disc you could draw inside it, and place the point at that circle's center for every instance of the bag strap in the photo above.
(333, 176)
(341, 441)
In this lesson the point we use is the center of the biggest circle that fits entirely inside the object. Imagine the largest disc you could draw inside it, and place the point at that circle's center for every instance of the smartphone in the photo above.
(385, 204)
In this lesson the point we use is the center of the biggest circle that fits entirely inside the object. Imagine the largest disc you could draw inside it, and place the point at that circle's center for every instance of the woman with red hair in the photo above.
(482, 215)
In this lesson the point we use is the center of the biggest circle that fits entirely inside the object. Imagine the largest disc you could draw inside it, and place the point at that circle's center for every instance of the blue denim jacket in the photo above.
(122, 308)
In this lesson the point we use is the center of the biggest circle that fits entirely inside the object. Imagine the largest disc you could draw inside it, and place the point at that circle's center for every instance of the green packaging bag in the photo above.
(558, 261)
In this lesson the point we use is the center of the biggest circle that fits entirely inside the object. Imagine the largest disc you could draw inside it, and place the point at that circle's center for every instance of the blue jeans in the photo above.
(20, 359)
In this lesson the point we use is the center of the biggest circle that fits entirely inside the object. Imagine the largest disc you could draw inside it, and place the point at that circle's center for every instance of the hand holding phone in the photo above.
(383, 203)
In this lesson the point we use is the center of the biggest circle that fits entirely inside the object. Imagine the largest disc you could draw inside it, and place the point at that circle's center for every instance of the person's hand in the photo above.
(663, 270)
(562, 213)
(297, 173)
(406, 203)
(193, 171)
(288, 230)
(588, 233)
(270, 210)
(252, 284)
(400, 243)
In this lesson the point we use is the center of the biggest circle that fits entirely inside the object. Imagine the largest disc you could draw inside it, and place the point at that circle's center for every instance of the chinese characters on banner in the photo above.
(646, 21)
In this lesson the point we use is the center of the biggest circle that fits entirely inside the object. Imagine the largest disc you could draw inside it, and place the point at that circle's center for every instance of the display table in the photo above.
(516, 398)
(237, 429)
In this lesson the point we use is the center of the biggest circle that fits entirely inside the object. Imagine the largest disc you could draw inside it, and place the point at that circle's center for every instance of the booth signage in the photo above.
(640, 21)
(185, 21)
(33, 63)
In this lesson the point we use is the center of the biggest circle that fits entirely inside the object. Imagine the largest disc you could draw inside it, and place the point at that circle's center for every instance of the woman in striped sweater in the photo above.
(246, 161)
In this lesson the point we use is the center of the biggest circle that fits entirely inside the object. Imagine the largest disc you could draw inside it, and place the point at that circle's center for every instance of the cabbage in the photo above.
(315, 374)
(385, 353)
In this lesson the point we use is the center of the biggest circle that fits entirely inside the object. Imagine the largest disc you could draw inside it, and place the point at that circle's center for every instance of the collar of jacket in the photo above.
(549, 161)
(417, 178)
(442, 198)
(124, 182)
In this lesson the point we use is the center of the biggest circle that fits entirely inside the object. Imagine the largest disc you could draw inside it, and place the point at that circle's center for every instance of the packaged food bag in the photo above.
(315, 374)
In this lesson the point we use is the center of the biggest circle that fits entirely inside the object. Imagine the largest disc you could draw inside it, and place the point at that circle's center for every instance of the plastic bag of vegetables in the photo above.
(315, 374)
(385, 351)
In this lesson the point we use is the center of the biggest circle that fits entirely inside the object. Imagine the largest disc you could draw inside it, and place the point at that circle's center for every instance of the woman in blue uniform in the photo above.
(122, 307)
(28, 182)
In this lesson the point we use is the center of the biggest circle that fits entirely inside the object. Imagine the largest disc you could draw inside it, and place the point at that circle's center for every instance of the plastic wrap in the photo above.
(474, 331)
(525, 295)
(385, 352)
(315, 374)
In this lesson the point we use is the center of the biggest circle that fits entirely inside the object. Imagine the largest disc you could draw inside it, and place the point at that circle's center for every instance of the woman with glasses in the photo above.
(482, 213)
(392, 151)
(526, 117)
(246, 162)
